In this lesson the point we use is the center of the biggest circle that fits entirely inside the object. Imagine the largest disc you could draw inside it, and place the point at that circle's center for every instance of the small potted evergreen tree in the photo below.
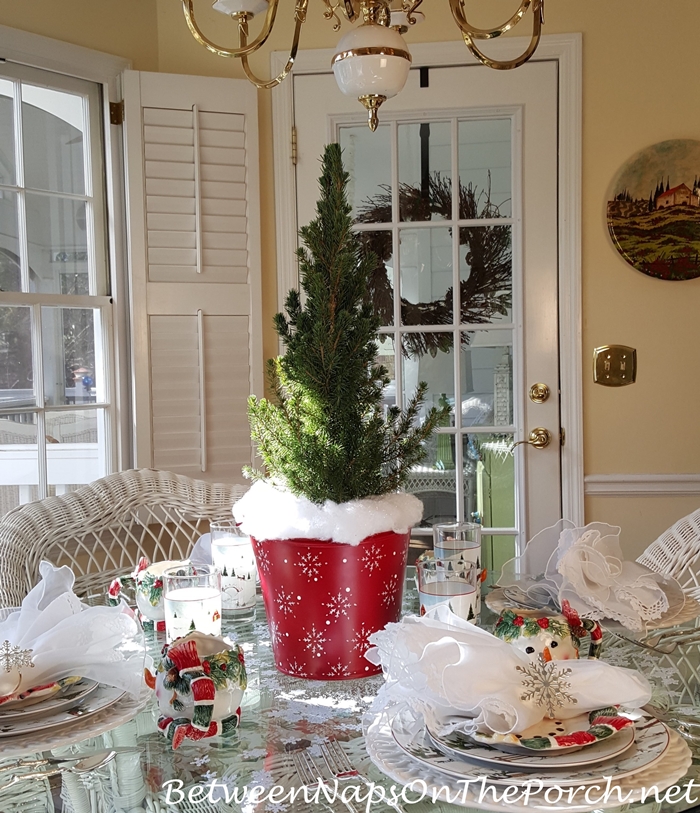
(329, 525)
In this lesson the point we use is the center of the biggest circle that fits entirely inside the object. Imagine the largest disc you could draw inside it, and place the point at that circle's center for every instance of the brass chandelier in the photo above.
(372, 60)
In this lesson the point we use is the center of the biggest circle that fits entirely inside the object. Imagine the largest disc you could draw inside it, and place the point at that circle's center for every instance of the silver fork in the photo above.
(342, 769)
(84, 765)
(308, 772)
(666, 643)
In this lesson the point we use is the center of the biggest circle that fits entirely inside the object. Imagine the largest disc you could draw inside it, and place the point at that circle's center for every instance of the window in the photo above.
(55, 306)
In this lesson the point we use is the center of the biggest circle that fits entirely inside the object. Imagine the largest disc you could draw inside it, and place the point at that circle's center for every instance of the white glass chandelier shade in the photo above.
(251, 7)
(371, 62)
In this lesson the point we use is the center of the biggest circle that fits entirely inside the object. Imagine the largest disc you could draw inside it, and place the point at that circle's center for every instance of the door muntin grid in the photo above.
(434, 238)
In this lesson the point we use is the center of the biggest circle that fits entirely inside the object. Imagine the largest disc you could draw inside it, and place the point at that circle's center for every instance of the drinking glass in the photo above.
(452, 581)
(192, 600)
(460, 538)
(232, 554)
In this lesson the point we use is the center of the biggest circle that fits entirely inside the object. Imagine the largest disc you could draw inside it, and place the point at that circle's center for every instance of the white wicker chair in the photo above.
(102, 529)
(677, 552)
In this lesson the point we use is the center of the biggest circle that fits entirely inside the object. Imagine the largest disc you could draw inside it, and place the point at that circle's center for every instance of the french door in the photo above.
(456, 194)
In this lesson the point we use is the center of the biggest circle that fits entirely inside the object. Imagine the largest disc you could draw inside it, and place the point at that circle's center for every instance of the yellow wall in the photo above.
(641, 85)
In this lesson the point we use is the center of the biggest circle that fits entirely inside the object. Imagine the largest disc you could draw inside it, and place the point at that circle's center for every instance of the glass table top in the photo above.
(280, 715)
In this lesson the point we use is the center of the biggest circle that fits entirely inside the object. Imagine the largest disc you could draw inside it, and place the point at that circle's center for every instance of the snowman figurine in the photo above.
(556, 637)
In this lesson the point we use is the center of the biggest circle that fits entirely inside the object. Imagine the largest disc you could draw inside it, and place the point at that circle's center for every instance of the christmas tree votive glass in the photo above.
(192, 600)
(232, 554)
(452, 581)
(460, 538)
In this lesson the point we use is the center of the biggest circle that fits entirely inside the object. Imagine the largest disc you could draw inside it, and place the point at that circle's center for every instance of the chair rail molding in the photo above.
(642, 485)
(566, 49)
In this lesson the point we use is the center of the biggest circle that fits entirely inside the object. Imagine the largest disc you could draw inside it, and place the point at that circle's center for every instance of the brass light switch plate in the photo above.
(614, 365)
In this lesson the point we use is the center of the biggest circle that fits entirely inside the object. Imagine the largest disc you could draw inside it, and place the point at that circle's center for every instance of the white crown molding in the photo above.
(640, 485)
(62, 57)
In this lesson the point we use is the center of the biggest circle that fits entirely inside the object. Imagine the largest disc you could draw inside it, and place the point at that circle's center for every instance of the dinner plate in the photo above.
(37, 694)
(572, 734)
(102, 698)
(461, 748)
(651, 741)
(396, 763)
(70, 695)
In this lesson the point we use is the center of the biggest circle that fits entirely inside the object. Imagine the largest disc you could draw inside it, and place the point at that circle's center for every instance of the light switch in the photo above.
(614, 365)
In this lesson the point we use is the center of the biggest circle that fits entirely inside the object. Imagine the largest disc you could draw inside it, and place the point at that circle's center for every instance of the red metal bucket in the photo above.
(324, 599)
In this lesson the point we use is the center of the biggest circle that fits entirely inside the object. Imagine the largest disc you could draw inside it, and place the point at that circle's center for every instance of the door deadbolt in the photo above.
(540, 438)
(539, 393)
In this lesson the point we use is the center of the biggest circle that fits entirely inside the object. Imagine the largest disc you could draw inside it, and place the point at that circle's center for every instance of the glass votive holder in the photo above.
(452, 581)
(232, 554)
(192, 600)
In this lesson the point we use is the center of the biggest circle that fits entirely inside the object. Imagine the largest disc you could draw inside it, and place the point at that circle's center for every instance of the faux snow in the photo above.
(271, 512)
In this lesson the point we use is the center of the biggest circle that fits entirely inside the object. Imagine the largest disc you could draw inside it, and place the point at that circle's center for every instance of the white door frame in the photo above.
(566, 50)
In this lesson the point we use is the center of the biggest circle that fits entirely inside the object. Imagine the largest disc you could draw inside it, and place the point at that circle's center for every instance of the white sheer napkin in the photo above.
(68, 638)
(461, 677)
(585, 567)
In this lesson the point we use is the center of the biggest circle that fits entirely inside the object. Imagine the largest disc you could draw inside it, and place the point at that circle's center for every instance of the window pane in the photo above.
(16, 373)
(490, 463)
(72, 368)
(53, 126)
(425, 171)
(381, 284)
(10, 270)
(485, 274)
(429, 357)
(367, 157)
(487, 380)
(485, 168)
(19, 469)
(7, 129)
(74, 448)
(57, 234)
(426, 276)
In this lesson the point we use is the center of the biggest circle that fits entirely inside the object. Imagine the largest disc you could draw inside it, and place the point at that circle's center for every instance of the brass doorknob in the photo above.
(540, 438)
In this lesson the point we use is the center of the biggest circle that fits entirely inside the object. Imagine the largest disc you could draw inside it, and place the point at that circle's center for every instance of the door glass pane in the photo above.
(485, 274)
(7, 129)
(434, 483)
(16, 372)
(487, 380)
(10, 271)
(367, 158)
(485, 168)
(19, 469)
(425, 171)
(496, 550)
(381, 283)
(57, 236)
(53, 127)
(425, 257)
(72, 368)
(74, 453)
(386, 357)
(489, 466)
(429, 357)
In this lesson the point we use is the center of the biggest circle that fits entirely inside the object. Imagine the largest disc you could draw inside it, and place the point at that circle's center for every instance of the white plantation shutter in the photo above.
(194, 246)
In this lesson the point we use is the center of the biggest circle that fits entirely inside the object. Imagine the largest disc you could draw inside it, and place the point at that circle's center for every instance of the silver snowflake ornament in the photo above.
(13, 657)
(546, 684)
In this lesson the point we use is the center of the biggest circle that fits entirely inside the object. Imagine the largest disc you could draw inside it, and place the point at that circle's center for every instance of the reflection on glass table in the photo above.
(280, 714)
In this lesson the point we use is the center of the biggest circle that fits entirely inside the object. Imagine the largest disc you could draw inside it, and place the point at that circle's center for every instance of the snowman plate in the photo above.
(560, 735)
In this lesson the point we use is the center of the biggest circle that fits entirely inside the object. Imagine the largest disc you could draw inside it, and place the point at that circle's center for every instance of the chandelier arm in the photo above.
(457, 7)
(501, 65)
(258, 42)
(409, 6)
(300, 19)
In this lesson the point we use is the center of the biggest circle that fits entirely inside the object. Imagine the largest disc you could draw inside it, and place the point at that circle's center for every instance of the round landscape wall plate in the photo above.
(653, 210)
